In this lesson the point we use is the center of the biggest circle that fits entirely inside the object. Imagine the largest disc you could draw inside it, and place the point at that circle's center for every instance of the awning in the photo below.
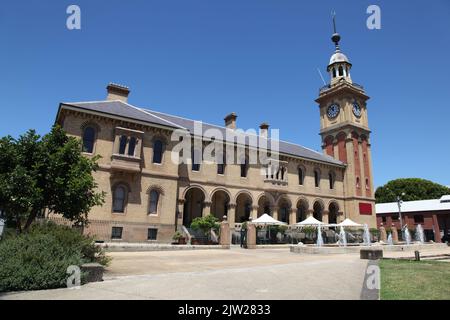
(349, 223)
(266, 219)
(310, 221)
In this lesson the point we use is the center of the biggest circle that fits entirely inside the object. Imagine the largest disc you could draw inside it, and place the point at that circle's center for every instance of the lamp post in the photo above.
(399, 204)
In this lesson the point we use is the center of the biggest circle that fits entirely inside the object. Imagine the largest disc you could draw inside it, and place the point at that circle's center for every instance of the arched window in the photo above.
(154, 199)
(334, 73)
(300, 176)
(119, 199)
(357, 182)
(367, 183)
(317, 178)
(88, 139)
(341, 71)
(122, 144)
(157, 151)
(132, 146)
(331, 180)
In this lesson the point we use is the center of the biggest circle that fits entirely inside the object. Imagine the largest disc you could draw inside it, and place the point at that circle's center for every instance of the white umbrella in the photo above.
(349, 223)
(310, 221)
(266, 220)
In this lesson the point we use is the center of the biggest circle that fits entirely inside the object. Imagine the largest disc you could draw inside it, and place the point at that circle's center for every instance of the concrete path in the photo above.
(220, 274)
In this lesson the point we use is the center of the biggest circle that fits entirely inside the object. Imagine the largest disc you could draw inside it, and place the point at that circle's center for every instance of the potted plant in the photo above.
(205, 225)
(178, 238)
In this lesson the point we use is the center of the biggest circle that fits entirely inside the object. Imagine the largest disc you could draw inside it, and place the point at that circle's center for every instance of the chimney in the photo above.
(117, 92)
(264, 130)
(230, 121)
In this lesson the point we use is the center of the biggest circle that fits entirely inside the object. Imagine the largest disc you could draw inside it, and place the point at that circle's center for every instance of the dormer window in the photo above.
(131, 146)
(122, 144)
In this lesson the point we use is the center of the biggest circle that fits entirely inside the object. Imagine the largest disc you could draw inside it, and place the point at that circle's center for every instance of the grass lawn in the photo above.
(413, 280)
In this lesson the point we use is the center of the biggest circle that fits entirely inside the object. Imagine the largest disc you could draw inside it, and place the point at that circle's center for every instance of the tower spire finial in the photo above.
(336, 37)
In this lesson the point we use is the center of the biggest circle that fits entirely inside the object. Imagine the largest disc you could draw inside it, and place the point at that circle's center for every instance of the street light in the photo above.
(399, 204)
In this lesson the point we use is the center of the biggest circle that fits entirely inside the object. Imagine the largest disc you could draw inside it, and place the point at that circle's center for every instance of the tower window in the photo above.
(334, 73)
(341, 71)
(357, 182)
(367, 183)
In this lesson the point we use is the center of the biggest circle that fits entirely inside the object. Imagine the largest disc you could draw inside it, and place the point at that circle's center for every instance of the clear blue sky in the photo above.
(204, 58)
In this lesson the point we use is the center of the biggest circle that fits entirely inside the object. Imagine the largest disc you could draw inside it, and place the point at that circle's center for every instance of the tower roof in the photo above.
(338, 57)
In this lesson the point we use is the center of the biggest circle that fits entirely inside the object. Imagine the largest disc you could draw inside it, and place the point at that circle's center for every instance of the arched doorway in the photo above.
(264, 206)
(302, 210)
(284, 209)
(333, 210)
(318, 210)
(243, 207)
(193, 205)
(220, 202)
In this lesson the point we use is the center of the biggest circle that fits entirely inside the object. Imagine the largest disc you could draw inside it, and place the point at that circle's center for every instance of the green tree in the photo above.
(413, 189)
(205, 224)
(46, 173)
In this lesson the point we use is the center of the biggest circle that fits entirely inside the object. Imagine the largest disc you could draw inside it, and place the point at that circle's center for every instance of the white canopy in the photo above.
(310, 221)
(349, 223)
(266, 219)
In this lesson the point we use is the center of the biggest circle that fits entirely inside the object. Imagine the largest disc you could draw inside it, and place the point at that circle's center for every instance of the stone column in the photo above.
(293, 216)
(180, 208)
(251, 236)
(206, 208)
(325, 216)
(274, 210)
(254, 212)
(383, 235)
(225, 235)
(437, 232)
(232, 215)
(394, 234)
(309, 213)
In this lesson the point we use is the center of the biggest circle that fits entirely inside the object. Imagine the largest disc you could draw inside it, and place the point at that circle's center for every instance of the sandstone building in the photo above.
(149, 196)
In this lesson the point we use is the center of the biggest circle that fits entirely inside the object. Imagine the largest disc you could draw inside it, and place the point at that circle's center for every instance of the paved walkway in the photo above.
(220, 274)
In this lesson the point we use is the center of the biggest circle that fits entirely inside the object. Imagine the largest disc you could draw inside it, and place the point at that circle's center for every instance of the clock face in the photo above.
(356, 109)
(333, 110)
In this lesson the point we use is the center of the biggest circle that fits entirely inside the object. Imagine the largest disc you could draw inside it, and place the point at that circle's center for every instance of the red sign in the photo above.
(365, 208)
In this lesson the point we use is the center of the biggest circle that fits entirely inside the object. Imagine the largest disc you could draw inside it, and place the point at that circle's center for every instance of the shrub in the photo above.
(205, 224)
(39, 258)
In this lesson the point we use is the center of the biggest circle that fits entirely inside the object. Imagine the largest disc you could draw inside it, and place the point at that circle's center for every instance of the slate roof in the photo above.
(125, 110)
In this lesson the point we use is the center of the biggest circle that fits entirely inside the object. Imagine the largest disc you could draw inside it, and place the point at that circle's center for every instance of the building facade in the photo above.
(433, 215)
(149, 196)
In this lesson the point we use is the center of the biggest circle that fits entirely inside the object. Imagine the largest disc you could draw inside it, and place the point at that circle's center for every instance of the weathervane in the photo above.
(336, 37)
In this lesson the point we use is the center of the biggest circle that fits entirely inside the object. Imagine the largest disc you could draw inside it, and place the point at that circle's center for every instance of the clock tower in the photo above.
(345, 134)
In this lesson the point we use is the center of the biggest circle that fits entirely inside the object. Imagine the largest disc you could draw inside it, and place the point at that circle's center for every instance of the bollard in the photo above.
(417, 254)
